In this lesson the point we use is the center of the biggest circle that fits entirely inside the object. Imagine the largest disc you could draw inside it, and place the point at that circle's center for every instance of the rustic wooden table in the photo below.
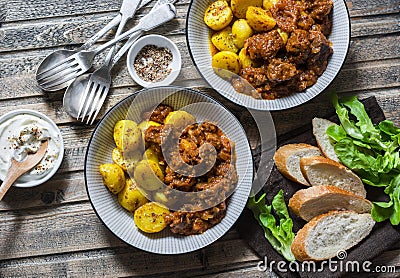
(51, 230)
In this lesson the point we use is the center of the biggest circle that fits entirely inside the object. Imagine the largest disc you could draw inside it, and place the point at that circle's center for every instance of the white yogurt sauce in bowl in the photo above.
(21, 133)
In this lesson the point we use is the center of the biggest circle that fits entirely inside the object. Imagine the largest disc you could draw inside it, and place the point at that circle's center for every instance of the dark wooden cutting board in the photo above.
(382, 237)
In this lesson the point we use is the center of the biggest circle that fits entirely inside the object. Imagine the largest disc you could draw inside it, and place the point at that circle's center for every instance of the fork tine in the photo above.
(59, 75)
(52, 69)
(64, 79)
(83, 97)
(89, 100)
(102, 99)
(94, 103)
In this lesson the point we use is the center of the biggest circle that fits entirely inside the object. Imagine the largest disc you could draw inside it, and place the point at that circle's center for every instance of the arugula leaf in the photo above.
(280, 235)
(370, 151)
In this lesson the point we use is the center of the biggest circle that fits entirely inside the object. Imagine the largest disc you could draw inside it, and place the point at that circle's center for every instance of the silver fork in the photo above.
(76, 64)
(100, 80)
(59, 57)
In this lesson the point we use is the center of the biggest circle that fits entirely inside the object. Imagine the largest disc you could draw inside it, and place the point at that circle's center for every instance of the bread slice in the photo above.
(319, 170)
(311, 202)
(324, 142)
(287, 160)
(327, 234)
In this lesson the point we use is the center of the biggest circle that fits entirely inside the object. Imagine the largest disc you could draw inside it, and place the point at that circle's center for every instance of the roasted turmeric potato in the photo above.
(148, 175)
(113, 177)
(150, 154)
(130, 197)
(128, 161)
(259, 19)
(224, 40)
(268, 4)
(225, 63)
(218, 15)
(150, 217)
(127, 136)
(239, 7)
(245, 60)
(180, 119)
(241, 31)
(284, 35)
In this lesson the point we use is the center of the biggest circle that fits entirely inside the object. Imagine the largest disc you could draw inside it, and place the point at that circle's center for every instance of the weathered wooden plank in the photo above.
(320, 106)
(372, 7)
(71, 31)
(57, 230)
(78, 30)
(61, 189)
(20, 10)
(376, 25)
(128, 261)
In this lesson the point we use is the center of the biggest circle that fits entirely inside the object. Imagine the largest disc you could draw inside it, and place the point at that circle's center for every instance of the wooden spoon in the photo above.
(17, 169)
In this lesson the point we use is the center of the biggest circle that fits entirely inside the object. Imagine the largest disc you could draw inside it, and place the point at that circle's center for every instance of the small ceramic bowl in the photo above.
(159, 41)
(25, 182)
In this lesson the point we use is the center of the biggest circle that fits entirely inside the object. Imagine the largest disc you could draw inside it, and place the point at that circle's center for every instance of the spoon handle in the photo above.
(152, 20)
(136, 35)
(101, 33)
(12, 175)
(125, 47)
(107, 28)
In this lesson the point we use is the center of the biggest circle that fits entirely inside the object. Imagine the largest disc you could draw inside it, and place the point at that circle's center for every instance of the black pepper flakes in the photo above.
(152, 63)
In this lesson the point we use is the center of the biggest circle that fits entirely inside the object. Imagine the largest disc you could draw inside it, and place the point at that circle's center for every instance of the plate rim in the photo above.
(250, 168)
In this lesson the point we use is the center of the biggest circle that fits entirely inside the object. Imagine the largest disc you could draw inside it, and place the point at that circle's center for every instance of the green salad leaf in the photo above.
(371, 151)
(279, 231)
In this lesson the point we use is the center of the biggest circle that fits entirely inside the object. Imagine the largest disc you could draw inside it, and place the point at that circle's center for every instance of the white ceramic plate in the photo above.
(57, 164)
(118, 220)
(197, 34)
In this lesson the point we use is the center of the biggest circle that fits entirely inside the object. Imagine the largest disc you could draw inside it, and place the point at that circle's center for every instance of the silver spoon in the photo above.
(74, 98)
(126, 12)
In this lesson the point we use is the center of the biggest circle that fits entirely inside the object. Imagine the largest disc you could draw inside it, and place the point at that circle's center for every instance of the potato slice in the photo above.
(113, 177)
(259, 19)
(224, 40)
(150, 154)
(150, 217)
(180, 119)
(239, 7)
(148, 175)
(218, 15)
(225, 63)
(241, 31)
(268, 4)
(245, 60)
(130, 197)
(127, 135)
(284, 35)
(126, 162)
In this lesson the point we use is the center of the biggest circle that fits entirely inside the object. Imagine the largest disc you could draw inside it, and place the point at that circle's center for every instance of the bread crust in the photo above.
(304, 196)
(315, 160)
(298, 246)
(284, 152)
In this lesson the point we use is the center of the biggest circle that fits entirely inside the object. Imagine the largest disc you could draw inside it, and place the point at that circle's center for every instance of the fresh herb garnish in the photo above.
(371, 151)
(280, 236)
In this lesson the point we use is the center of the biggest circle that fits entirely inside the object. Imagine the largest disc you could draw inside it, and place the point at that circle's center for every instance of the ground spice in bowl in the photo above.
(152, 63)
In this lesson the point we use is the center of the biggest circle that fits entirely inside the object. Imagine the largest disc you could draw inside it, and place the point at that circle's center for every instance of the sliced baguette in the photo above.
(320, 170)
(324, 142)
(311, 202)
(287, 160)
(327, 234)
